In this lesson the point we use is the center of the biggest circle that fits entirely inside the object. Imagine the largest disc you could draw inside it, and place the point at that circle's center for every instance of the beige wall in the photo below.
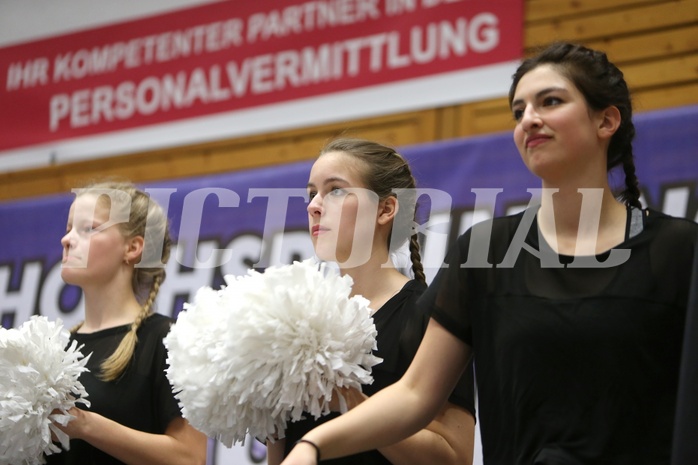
(654, 42)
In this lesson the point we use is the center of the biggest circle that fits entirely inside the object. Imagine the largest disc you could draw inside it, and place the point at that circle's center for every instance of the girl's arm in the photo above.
(399, 410)
(447, 440)
(181, 443)
(275, 451)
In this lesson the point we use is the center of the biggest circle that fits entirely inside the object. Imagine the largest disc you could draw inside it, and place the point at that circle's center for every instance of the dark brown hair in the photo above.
(387, 173)
(602, 84)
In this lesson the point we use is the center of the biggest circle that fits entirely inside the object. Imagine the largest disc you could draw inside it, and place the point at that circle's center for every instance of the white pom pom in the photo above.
(39, 375)
(266, 347)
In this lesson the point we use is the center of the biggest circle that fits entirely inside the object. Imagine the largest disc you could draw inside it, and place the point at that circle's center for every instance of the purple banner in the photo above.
(225, 224)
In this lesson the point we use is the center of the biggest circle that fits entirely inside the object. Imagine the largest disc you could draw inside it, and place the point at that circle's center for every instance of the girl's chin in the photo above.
(325, 250)
(68, 275)
(324, 256)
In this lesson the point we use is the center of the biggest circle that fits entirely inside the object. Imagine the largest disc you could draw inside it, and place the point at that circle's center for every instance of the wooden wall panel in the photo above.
(662, 72)
(655, 42)
(547, 10)
(217, 157)
(645, 17)
(666, 97)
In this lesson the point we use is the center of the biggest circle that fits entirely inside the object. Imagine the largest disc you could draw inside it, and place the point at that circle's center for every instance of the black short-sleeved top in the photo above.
(574, 365)
(141, 398)
(685, 446)
(400, 324)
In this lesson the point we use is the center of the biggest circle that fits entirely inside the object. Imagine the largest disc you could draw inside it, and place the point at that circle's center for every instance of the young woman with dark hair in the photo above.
(576, 323)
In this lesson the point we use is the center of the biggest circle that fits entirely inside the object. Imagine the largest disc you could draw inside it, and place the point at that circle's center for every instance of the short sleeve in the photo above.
(447, 294)
(463, 395)
(165, 405)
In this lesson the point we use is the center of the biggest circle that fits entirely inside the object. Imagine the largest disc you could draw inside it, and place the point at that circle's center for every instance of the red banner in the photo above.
(236, 55)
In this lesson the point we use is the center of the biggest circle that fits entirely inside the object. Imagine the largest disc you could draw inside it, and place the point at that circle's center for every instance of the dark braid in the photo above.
(387, 174)
(631, 194)
(416, 258)
(602, 84)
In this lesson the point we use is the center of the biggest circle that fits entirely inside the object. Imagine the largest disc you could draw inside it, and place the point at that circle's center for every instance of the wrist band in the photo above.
(315, 446)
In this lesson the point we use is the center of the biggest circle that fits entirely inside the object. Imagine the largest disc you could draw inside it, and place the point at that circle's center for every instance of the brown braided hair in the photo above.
(145, 282)
(387, 173)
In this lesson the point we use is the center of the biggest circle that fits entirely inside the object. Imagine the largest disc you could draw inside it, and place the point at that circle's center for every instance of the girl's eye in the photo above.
(517, 113)
(552, 101)
(311, 195)
(337, 191)
(86, 229)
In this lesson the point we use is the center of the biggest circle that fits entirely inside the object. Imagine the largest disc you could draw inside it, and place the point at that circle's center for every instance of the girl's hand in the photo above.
(352, 396)
(76, 426)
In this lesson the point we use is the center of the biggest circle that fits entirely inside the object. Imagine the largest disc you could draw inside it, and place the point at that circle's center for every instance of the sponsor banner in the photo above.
(227, 223)
(232, 68)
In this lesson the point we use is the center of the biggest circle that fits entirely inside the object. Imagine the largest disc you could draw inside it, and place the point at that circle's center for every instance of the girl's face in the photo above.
(342, 212)
(556, 133)
(92, 253)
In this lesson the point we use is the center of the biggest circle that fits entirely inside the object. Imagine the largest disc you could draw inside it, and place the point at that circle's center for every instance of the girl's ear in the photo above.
(387, 209)
(133, 249)
(609, 122)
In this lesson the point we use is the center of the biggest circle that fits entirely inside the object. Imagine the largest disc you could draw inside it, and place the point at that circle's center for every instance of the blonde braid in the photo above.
(75, 328)
(116, 364)
(155, 288)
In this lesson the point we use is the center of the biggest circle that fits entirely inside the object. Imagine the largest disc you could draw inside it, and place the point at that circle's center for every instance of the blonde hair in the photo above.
(145, 282)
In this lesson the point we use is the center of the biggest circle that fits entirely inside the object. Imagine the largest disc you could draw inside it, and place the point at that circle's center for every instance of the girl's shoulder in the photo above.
(665, 220)
(157, 324)
(678, 229)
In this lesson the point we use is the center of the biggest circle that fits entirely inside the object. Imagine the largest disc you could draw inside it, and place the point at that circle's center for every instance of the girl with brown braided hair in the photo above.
(572, 309)
(115, 248)
(362, 208)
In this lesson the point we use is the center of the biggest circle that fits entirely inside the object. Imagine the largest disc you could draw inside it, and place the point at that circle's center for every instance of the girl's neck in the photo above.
(109, 309)
(582, 221)
(376, 282)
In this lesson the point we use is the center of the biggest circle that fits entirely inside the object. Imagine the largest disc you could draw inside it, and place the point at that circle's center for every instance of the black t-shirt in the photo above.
(685, 447)
(141, 398)
(400, 324)
(573, 365)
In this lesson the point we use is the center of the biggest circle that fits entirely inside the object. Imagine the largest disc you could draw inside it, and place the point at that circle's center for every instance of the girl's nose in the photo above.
(530, 118)
(315, 206)
(67, 239)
